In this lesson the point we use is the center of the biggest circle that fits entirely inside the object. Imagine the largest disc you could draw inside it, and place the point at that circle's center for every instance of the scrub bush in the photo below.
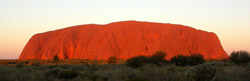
(137, 62)
(204, 72)
(158, 58)
(192, 60)
(112, 60)
(240, 57)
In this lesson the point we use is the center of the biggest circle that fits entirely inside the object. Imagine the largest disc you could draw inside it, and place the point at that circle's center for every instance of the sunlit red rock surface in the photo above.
(122, 39)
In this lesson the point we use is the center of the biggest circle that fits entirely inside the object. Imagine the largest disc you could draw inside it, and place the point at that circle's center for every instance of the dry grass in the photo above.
(117, 72)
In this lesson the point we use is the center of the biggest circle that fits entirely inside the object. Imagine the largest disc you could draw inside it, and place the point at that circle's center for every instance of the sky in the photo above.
(20, 19)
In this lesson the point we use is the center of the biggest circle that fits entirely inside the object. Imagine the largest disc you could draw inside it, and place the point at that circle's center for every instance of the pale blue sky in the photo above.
(20, 19)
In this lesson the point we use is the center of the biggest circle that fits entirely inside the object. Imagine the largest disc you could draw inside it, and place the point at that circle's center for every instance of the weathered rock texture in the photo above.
(122, 39)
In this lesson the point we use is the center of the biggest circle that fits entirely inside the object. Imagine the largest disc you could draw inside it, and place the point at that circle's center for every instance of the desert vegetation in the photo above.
(193, 59)
(140, 68)
(240, 57)
(56, 59)
(112, 60)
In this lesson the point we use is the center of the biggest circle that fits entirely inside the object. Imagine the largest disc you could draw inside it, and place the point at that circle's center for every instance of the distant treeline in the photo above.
(51, 62)
(237, 57)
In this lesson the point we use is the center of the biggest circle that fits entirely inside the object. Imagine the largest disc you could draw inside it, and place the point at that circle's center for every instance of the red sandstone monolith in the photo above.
(124, 40)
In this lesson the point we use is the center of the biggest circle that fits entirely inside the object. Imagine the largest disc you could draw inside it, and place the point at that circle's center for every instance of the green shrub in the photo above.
(5, 73)
(158, 58)
(196, 59)
(19, 65)
(246, 74)
(221, 78)
(56, 59)
(92, 67)
(136, 79)
(64, 66)
(204, 72)
(180, 60)
(36, 64)
(62, 73)
(55, 72)
(193, 59)
(240, 57)
(112, 60)
(68, 74)
(225, 60)
(153, 73)
(137, 62)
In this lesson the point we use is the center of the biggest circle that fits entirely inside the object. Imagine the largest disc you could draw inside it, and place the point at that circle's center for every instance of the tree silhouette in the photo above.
(158, 58)
(137, 61)
(112, 60)
(192, 60)
(240, 57)
(56, 59)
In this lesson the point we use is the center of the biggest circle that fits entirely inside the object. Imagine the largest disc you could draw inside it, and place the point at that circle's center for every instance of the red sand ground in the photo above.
(122, 39)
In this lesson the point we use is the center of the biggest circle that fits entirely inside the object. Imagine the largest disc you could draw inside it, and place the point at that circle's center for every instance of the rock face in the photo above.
(124, 40)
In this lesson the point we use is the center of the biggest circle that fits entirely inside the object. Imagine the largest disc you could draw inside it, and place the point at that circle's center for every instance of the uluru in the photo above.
(125, 39)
